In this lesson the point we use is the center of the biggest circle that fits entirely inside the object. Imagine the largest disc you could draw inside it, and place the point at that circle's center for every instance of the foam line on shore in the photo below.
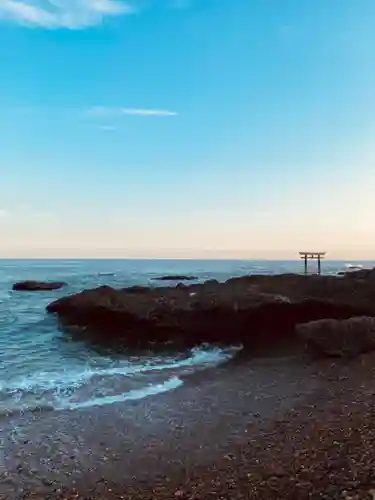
(54, 391)
(151, 390)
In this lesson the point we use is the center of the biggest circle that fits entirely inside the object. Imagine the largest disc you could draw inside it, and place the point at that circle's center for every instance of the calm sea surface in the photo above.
(40, 367)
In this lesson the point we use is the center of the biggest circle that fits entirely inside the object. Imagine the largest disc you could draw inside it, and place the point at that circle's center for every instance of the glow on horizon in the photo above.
(188, 246)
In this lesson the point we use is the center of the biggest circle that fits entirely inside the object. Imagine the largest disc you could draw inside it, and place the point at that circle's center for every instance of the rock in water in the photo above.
(339, 337)
(176, 277)
(225, 313)
(33, 286)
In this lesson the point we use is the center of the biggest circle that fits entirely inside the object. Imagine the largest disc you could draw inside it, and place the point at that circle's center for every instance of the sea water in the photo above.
(41, 367)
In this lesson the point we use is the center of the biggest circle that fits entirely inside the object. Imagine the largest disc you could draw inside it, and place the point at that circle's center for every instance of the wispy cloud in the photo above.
(71, 14)
(104, 111)
(3, 212)
(108, 128)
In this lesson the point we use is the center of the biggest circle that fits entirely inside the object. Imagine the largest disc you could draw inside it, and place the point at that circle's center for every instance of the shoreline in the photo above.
(125, 385)
(148, 440)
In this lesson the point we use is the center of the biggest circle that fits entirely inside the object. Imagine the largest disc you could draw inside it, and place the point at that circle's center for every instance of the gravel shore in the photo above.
(288, 431)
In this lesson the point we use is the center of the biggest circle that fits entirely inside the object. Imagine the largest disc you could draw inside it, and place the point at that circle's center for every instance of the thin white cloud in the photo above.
(3, 212)
(108, 128)
(104, 111)
(71, 14)
(148, 112)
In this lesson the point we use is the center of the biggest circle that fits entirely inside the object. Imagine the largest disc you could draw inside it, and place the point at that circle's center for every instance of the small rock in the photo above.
(273, 483)
(47, 482)
(33, 286)
(276, 470)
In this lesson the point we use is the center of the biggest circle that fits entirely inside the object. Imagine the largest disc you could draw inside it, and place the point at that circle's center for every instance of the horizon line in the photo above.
(243, 259)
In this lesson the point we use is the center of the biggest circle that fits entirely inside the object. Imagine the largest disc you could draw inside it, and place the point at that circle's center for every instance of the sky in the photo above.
(187, 128)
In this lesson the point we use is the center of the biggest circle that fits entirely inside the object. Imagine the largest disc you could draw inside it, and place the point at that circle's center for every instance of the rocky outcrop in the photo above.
(33, 286)
(339, 338)
(355, 288)
(253, 310)
(361, 274)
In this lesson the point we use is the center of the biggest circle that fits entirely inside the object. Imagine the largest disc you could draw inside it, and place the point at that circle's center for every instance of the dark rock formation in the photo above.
(254, 310)
(355, 288)
(360, 274)
(138, 289)
(32, 286)
(182, 286)
(339, 338)
(176, 277)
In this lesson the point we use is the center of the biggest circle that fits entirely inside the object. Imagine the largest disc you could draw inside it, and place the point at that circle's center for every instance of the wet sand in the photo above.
(264, 428)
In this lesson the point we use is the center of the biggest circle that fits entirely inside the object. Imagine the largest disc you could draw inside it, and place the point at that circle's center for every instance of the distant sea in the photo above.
(43, 368)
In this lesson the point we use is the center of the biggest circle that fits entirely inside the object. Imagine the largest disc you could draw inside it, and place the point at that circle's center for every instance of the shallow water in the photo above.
(42, 368)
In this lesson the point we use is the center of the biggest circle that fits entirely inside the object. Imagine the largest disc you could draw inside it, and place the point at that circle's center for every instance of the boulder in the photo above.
(31, 286)
(339, 338)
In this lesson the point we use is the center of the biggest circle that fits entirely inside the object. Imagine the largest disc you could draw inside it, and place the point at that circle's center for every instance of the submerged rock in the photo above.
(176, 277)
(257, 311)
(30, 285)
(339, 338)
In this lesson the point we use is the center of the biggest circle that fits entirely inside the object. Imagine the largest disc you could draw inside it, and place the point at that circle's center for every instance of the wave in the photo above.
(45, 381)
(354, 267)
(132, 395)
(79, 388)
(151, 390)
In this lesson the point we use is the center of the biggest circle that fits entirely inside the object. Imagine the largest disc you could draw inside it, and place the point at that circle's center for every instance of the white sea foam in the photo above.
(46, 381)
(77, 388)
(354, 266)
(150, 390)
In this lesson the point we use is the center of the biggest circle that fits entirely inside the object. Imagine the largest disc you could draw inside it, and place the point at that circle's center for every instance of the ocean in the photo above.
(43, 368)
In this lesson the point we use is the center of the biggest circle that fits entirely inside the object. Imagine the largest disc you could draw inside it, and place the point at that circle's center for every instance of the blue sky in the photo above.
(187, 127)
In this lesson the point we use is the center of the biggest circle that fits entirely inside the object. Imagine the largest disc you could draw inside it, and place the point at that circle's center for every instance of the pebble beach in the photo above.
(297, 430)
